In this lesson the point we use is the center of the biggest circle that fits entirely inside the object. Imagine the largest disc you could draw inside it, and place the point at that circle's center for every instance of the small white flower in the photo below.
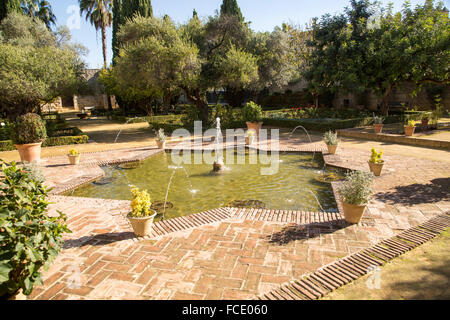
(3, 124)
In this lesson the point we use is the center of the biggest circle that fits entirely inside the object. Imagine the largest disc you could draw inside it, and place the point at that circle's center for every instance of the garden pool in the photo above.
(195, 188)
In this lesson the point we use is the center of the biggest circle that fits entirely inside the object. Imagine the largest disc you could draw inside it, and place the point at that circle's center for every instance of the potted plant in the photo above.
(141, 216)
(409, 128)
(27, 133)
(355, 194)
(250, 137)
(378, 124)
(30, 238)
(376, 162)
(252, 114)
(74, 157)
(425, 119)
(331, 140)
(161, 139)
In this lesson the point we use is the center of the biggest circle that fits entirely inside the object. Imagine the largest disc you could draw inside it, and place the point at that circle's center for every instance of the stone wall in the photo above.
(53, 106)
(99, 101)
(402, 94)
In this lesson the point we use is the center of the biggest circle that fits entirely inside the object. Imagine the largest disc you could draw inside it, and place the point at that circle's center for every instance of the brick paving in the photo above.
(241, 255)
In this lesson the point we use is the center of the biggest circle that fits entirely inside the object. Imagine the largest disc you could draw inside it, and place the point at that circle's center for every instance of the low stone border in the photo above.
(383, 137)
(350, 268)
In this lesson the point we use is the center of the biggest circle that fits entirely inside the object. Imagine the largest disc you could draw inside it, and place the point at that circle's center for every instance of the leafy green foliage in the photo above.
(29, 128)
(331, 138)
(357, 189)
(252, 112)
(41, 10)
(349, 53)
(132, 7)
(29, 238)
(8, 6)
(35, 65)
(231, 8)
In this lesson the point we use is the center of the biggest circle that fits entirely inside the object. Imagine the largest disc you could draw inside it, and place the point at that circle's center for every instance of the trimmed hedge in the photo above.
(63, 141)
(8, 145)
(168, 127)
(328, 124)
(173, 118)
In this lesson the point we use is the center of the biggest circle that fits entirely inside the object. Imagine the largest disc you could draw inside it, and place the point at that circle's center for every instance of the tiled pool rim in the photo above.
(194, 220)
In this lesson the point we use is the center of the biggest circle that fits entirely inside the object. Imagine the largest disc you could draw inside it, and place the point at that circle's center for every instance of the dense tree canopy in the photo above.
(8, 6)
(355, 53)
(39, 9)
(231, 8)
(36, 65)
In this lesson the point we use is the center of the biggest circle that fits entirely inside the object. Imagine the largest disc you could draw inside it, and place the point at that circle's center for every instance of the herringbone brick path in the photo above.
(243, 256)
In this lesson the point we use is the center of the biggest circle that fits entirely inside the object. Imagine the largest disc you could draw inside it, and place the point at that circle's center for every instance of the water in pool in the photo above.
(194, 188)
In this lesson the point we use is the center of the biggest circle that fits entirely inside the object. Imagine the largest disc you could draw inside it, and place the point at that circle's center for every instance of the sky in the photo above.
(263, 14)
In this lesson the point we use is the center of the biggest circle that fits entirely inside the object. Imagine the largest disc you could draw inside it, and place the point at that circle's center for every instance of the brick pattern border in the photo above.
(395, 138)
(82, 181)
(350, 268)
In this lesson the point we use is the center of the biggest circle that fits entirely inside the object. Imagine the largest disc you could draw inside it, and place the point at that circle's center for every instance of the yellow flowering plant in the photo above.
(73, 152)
(141, 203)
(376, 157)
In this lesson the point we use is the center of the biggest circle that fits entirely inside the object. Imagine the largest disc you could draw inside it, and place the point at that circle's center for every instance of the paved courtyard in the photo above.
(226, 253)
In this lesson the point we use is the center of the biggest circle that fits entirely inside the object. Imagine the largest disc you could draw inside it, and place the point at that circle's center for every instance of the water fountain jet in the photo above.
(218, 165)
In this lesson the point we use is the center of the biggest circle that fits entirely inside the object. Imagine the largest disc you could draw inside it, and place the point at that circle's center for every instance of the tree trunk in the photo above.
(166, 102)
(200, 103)
(105, 65)
(384, 101)
(316, 100)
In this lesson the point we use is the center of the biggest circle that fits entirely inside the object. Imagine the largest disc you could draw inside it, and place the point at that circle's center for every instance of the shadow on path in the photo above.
(437, 190)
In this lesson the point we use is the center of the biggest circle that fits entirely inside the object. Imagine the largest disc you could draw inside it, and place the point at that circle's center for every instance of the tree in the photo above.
(351, 54)
(132, 7)
(153, 63)
(116, 23)
(36, 66)
(8, 6)
(231, 8)
(99, 14)
(39, 9)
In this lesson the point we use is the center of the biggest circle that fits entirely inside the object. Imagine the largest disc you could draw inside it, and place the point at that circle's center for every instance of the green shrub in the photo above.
(64, 141)
(29, 238)
(357, 189)
(331, 138)
(252, 112)
(323, 125)
(7, 145)
(28, 128)
(167, 127)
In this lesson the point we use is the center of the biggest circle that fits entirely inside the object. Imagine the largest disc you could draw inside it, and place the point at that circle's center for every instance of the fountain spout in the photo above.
(218, 164)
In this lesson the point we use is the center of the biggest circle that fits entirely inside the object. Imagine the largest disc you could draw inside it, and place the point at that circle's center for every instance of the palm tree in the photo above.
(99, 14)
(39, 9)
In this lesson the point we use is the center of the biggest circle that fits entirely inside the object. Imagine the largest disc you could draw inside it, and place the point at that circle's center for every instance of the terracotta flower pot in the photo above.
(254, 126)
(353, 213)
(161, 144)
(142, 226)
(74, 160)
(29, 152)
(332, 149)
(409, 131)
(378, 127)
(376, 168)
